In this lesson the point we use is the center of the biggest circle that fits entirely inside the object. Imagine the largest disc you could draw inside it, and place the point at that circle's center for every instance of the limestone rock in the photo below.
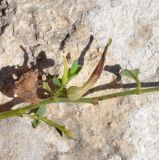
(39, 33)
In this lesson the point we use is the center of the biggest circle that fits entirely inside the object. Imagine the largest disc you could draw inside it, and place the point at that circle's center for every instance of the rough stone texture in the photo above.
(116, 129)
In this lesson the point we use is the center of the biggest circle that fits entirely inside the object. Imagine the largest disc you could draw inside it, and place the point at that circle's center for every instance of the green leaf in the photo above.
(67, 132)
(57, 81)
(75, 73)
(74, 67)
(74, 70)
(40, 112)
(133, 74)
(65, 74)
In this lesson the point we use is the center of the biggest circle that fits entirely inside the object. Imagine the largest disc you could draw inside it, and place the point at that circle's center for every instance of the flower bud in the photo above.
(74, 92)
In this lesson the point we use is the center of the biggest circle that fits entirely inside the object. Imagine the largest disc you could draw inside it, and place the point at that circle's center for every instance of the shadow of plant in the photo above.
(7, 81)
(84, 51)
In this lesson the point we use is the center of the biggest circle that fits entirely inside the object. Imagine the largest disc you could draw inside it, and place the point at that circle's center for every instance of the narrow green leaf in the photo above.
(67, 132)
(75, 73)
(65, 74)
(74, 70)
(40, 112)
(133, 74)
(57, 81)
(74, 67)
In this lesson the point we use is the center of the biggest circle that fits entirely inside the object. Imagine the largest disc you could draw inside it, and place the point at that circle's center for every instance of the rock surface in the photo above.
(44, 31)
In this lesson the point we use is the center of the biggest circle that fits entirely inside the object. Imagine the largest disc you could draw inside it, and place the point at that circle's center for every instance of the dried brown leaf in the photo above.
(26, 88)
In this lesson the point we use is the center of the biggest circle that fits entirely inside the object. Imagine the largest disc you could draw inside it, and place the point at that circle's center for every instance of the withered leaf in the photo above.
(26, 88)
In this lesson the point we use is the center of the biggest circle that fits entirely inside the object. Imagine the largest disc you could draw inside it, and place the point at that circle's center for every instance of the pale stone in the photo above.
(121, 128)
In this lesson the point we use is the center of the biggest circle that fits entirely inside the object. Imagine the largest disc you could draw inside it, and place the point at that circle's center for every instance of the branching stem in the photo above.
(91, 100)
(68, 133)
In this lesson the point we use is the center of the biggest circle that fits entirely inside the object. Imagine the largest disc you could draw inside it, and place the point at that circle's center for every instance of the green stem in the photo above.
(92, 100)
(20, 111)
(138, 86)
(61, 128)
(58, 92)
(126, 93)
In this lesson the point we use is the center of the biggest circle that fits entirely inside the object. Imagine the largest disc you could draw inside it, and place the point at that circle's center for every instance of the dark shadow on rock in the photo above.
(63, 42)
(115, 69)
(43, 62)
(83, 53)
(3, 28)
(8, 10)
(7, 81)
(6, 106)
(124, 86)
(67, 37)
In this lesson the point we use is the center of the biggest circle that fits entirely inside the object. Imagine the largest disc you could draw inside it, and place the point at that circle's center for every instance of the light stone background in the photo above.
(116, 129)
